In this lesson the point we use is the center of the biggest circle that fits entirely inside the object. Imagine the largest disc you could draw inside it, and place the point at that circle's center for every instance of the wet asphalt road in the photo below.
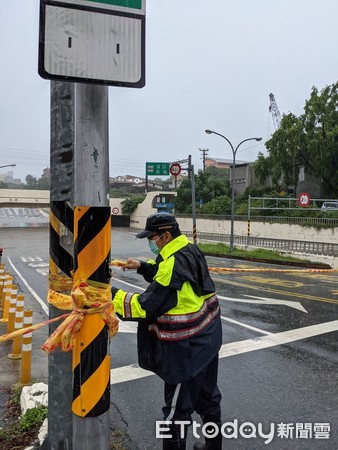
(278, 364)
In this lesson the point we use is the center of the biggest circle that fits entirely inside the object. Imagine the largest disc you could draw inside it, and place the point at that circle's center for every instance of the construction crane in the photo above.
(276, 115)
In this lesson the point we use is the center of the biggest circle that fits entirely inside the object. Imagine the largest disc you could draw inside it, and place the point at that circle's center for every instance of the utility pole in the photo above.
(191, 176)
(61, 256)
(193, 203)
(92, 231)
(204, 151)
(189, 165)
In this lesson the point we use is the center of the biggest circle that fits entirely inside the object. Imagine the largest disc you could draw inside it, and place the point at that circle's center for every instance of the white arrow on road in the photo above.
(265, 301)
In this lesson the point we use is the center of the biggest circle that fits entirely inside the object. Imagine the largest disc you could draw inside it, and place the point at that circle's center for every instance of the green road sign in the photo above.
(137, 4)
(157, 168)
(101, 41)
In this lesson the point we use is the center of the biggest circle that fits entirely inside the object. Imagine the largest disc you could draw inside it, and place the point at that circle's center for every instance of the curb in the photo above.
(306, 265)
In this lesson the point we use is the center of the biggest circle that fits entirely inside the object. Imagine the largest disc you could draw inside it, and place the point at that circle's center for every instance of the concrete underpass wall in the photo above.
(139, 216)
(263, 229)
(37, 198)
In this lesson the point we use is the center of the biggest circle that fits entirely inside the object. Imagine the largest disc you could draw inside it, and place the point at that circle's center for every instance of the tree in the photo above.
(309, 141)
(320, 120)
(209, 185)
(42, 183)
(285, 155)
(31, 182)
(130, 204)
(262, 167)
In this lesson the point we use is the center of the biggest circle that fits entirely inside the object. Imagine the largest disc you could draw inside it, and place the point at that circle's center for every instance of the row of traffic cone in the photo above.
(15, 317)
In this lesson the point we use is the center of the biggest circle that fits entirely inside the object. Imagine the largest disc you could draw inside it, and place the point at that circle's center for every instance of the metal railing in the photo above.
(304, 221)
(287, 245)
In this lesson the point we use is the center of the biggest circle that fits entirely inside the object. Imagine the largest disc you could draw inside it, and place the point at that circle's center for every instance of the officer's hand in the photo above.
(132, 264)
(113, 292)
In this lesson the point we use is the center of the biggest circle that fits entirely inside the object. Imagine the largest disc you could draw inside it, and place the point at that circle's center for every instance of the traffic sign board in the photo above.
(175, 169)
(304, 199)
(157, 168)
(96, 41)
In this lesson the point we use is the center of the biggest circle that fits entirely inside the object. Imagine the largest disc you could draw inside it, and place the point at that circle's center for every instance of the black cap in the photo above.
(158, 223)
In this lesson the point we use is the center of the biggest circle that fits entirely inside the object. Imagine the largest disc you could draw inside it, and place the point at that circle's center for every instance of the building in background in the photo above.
(7, 177)
(244, 173)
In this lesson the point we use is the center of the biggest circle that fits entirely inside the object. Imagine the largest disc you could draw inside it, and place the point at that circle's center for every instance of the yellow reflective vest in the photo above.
(179, 330)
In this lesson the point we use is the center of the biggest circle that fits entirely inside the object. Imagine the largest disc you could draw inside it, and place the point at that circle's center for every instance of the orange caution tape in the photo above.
(118, 263)
(228, 269)
(87, 297)
(13, 334)
(60, 283)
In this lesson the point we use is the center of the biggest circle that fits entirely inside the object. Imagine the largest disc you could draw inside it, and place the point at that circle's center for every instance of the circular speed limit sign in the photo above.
(175, 169)
(303, 199)
(115, 210)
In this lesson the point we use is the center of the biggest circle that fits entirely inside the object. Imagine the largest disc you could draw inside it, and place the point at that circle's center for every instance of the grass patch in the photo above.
(224, 250)
(20, 431)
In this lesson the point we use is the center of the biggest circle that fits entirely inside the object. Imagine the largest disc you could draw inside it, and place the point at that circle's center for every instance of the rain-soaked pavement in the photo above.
(278, 363)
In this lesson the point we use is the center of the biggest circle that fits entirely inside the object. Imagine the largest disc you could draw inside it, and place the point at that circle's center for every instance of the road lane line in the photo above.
(134, 372)
(284, 337)
(275, 291)
(129, 284)
(265, 301)
(31, 290)
(245, 325)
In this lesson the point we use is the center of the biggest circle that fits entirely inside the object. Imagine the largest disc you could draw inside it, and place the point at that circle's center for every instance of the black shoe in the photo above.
(210, 444)
(174, 444)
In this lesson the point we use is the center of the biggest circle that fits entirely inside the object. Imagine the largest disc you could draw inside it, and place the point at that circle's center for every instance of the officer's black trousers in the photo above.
(199, 394)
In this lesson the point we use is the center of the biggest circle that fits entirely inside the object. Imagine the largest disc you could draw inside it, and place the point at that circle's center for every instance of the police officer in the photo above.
(179, 332)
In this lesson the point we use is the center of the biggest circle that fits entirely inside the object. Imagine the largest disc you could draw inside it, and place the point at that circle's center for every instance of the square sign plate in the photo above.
(157, 168)
(93, 41)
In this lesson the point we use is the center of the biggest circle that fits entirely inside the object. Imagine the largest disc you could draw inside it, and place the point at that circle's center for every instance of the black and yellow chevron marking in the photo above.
(61, 214)
(92, 228)
(91, 368)
(194, 233)
(91, 362)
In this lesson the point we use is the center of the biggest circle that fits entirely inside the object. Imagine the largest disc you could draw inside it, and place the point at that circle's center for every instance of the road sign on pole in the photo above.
(304, 199)
(93, 41)
(175, 169)
(157, 168)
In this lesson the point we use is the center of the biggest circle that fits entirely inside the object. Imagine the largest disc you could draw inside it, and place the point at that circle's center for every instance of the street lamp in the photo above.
(234, 151)
(8, 165)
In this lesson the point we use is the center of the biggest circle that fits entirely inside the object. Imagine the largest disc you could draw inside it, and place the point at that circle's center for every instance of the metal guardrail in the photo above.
(313, 248)
(305, 221)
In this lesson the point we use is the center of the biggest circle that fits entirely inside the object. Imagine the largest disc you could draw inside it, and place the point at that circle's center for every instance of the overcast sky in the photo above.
(209, 64)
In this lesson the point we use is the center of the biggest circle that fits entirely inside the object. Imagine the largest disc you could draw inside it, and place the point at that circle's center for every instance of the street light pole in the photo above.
(8, 165)
(234, 151)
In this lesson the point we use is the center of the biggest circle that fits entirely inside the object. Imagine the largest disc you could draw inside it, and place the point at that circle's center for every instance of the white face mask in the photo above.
(154, 247)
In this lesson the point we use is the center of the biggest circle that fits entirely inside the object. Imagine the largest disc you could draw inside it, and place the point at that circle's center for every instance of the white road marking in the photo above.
(43, 272)
(284, 337)
(134, 372)
(241, 324)
(128, 284)
(38, 264)
(31, 259)
(31, 290)
(266, 301)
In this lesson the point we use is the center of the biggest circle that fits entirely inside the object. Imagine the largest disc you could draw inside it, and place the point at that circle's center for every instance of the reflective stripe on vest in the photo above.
(186, 318)
(176, 335)
(127, 305)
